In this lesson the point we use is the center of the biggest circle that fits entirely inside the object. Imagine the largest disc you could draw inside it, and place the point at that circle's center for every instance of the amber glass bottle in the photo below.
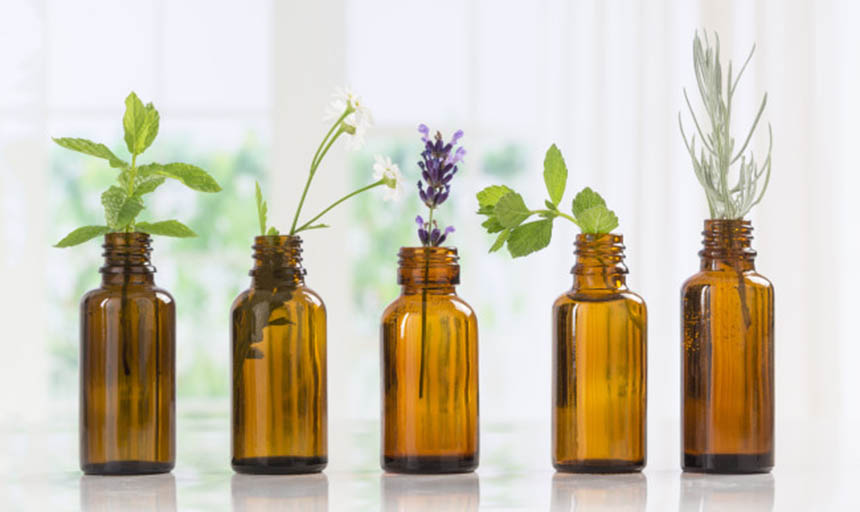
(599, 364)
(128, 330)
(279, 366)
(429, 369)
(727, 323)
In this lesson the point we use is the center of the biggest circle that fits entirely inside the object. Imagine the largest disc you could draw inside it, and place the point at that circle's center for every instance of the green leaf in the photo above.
(91, 148)
(147, 184)
(317, 226)
(530, 237)
(586, 199)
(511, 210)
(272, 231)
(113, 200)
(262, 209)
(554, 174)
(488, 197)
(166, 228)
(140, 124)
(492, 225)
(597, 220)
(551, 206)
(500, 240)
(190, 175)
(130, 208)
(81, 235)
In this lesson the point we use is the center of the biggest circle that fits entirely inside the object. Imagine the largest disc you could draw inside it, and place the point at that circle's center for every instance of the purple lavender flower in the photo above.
(438, 166)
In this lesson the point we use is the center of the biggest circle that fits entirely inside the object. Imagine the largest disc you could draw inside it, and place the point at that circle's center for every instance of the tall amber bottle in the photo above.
(727, 359)
(599, 364)
(279, 366)
(127, 360)
(429, 369)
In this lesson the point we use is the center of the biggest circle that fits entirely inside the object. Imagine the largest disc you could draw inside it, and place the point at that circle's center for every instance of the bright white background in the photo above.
(603, 80)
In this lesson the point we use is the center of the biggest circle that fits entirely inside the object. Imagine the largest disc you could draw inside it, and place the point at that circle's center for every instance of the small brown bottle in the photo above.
(727, 360)
(599, 364)
(279, 366)
(429, 369)
(128, 331)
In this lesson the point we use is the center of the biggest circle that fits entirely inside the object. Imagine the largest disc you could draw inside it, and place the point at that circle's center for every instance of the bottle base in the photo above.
(729, 463)
(126, 467)
(279, 465)
(600, 466)
(430, 465)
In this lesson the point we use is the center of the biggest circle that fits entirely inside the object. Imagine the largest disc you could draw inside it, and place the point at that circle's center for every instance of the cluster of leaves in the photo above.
(506, 211)
(124, 201)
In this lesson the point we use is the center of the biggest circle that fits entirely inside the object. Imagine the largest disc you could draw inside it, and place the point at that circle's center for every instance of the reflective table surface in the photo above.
(39, 467)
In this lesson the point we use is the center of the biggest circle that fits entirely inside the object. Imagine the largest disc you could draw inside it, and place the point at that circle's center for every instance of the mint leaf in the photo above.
(554, 174)
(500, 240)
(140, 124)
(113, 200)
(597, 220)
(511, 210)
(586, 199)
(81, 235)
(151, 125)
(129, 210)
(262, 209)
(529, 238)
(191, 176)
(492, 225)
(147, 184)
(272, 231)
(166, 228)
(91, 148)
(488, 198)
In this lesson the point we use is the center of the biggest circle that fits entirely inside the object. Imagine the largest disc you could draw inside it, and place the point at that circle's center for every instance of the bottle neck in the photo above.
(277, 262)
(599, 262)
(727, 243)
(431, 269)
(127, 259)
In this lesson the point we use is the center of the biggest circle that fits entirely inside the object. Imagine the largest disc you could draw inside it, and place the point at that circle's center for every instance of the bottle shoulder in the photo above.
(572, 297)
(106, 294)
(298, 295)
(725, 277)
(411, 303)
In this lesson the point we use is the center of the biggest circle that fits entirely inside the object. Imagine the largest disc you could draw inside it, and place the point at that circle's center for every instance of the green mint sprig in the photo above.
(506, 211)
(124, 201)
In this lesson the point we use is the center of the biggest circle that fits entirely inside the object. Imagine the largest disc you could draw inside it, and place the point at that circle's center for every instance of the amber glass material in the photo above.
(727, 359)
(279, 366)
(599, 364)
(429, 369)
(128, 330)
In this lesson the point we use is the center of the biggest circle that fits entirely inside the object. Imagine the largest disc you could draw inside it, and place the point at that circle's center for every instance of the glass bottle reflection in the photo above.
(596, 493)
(705, 493)
(279, 366)
(127, 361)
(151, 493)
(727, 401)
(270, 493)
(433, 493)
(429, 369)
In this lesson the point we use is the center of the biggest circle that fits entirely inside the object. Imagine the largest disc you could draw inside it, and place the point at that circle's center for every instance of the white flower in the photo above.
(386, 170)
(357, 122)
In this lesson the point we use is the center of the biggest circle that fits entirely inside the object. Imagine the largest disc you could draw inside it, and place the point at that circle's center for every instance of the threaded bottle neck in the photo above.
(428, 268)
(599, 262)
(127, 257)
(277, 261)
(727, 242)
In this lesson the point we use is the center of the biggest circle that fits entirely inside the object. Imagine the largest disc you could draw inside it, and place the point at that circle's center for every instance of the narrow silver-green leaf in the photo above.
(262, 209)
(166, 228)
(511, 210)
(91, 148)
(82, 235)
(530, 237)
(554, 174)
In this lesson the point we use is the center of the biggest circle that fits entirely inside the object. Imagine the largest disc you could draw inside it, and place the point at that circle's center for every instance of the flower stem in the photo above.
(307, 224)
(556, 213)
(318, 156)
(424, 312)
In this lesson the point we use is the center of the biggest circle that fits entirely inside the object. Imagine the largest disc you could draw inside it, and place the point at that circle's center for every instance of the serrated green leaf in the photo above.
(500, 240)
(147, 184)
(529, 237)
(554, 174)
(262, 208)
(113, 200)
(81, 235)
(166, 228)
(133, 122)
(598, 220)
(492, 225)
(488, 197)
(511, 210)
(152, 124)
(91, 148)
(129, 210)
(585, 200)
(272, 231)
(191, 176)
